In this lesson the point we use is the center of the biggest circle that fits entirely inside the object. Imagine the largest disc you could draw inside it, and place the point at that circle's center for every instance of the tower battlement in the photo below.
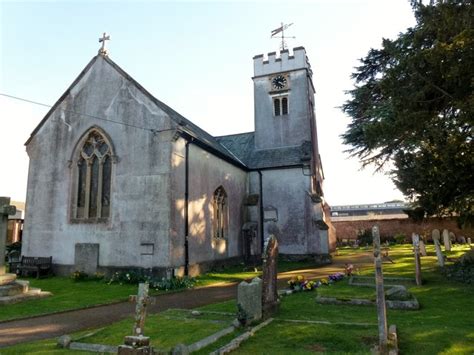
(286, 62)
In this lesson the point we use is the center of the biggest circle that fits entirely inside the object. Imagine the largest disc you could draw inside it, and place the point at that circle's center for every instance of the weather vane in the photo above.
(281, 30)
(102, 50)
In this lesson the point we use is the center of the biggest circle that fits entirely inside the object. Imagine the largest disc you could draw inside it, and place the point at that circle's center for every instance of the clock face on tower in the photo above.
(279, 82)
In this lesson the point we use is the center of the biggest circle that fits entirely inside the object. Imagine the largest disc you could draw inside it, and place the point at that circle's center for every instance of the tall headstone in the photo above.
(138, 343)
(423, 248)
(416, 249)
(270, 272)
(381, 308)
(439, 254)
(446, 241)
(249, 301)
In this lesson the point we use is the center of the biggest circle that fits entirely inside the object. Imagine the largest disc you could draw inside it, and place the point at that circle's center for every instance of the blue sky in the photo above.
(197, 58)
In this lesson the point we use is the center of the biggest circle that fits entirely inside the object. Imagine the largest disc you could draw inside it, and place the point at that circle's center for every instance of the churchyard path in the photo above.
(55, 325)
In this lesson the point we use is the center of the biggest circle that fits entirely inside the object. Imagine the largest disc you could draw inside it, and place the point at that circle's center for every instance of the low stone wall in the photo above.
(390, 227)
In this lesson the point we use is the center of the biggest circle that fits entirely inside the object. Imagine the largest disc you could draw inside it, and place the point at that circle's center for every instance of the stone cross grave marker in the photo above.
(416, 248)
(5, 210)
(446, 241)
(138, 343)
(435, 235)
(381, 308)
(270, 272)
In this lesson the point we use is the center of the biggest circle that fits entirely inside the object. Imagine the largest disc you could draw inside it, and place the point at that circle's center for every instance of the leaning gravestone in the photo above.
(439, 253)
(249, 301)
(270, 272)
(446, 240)
(381, 308)
(423, 248)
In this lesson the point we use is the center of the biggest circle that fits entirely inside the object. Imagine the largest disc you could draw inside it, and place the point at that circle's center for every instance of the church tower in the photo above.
(284, 100)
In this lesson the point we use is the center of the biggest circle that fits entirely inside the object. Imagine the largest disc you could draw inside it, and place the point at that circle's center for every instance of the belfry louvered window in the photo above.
(94, 174)
(220, 220)
(280, 106)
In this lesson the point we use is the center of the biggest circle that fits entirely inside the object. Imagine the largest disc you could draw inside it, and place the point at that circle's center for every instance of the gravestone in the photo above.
(423, 248)
(416, 249)
(86, 257)
(439, 253)
(249, 301)
(5, 210)
(270, 272)
(452, 238)
(381, 308)
(469, 240)
(138, 343)
(446, 240)
(462, 239)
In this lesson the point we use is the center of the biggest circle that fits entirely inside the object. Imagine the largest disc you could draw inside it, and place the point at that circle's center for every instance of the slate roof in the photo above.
(243, 146)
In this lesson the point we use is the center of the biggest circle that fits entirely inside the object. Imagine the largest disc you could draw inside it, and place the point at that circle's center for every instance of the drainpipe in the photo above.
(261, 209)
(186, 203)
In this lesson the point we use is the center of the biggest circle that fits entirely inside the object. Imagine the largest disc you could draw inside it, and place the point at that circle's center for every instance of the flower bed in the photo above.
(300, 283)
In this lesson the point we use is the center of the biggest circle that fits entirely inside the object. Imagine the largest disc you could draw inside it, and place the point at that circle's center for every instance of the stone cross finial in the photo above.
(102, 50)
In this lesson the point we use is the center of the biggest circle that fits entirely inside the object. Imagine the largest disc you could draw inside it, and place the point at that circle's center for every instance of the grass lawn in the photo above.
(68, 295)
(443, 325)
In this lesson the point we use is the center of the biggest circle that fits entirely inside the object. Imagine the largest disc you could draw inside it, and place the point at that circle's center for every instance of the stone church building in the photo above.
(119, 180)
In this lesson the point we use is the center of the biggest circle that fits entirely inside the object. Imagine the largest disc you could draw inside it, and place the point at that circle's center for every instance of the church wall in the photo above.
(140, 175)
(287, 191)
(206, 174)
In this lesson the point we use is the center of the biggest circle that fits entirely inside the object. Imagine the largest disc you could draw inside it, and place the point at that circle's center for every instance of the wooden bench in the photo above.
(36, 264)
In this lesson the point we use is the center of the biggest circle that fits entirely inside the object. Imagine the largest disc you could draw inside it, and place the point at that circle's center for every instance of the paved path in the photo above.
(54, 325)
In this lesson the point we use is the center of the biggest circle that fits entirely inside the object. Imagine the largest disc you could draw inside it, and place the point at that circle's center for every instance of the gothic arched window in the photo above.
(94, 175)
(220, 213)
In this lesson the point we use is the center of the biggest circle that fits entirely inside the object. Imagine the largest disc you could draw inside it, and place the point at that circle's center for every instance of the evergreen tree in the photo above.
(413, 105)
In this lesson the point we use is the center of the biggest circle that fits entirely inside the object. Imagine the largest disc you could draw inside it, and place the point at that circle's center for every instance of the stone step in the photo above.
(12, 289)
(7, 278)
